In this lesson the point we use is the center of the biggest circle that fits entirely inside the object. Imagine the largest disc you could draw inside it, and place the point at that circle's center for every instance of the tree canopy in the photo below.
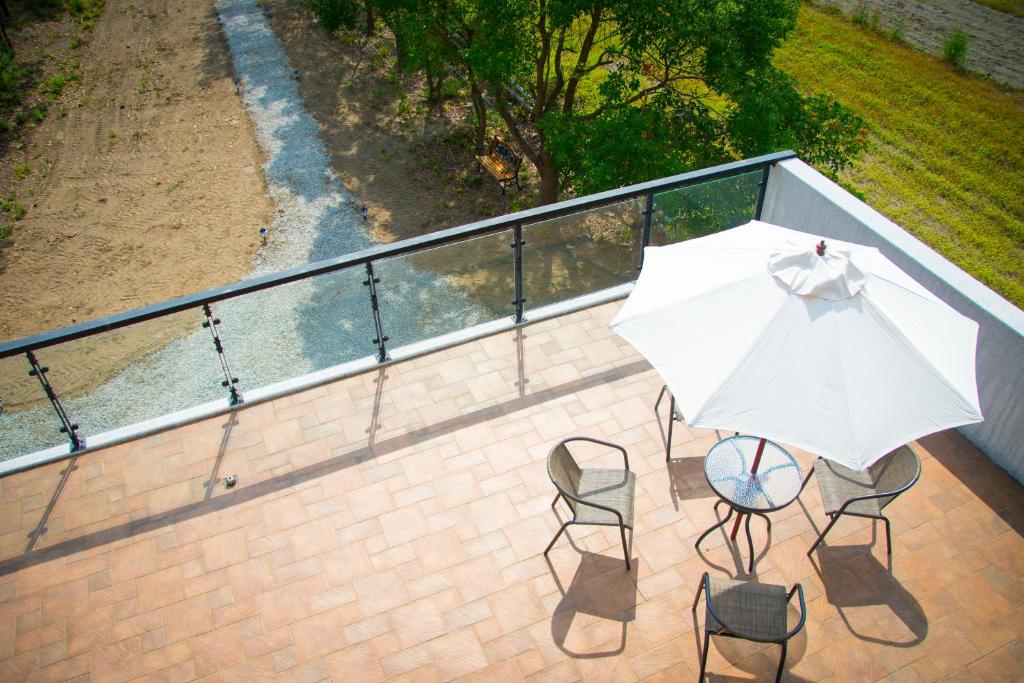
(602, 93)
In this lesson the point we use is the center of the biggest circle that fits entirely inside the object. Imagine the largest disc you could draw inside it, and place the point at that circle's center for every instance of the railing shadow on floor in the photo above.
(229, 426)
(602, 588)
(853, 577)
(244, 494)
(40, 528)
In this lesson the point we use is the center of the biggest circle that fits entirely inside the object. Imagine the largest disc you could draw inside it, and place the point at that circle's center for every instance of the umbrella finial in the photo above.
(821, 248)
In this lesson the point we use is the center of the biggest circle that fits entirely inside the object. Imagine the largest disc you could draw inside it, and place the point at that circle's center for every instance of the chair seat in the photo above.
(757, 610)
(612, 488)
(839, 484)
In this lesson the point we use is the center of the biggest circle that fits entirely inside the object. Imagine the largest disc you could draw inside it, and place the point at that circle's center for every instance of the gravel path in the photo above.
(996, 39)
(283, 332)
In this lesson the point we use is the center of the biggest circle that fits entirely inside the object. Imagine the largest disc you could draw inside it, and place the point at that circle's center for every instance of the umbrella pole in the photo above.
(753, 470)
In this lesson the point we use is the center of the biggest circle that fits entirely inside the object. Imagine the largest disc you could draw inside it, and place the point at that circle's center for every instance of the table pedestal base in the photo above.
(739, 515)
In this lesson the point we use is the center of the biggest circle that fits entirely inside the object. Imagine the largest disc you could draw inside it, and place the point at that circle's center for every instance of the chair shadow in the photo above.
(853, 577)
(686, 480)
(599, 588)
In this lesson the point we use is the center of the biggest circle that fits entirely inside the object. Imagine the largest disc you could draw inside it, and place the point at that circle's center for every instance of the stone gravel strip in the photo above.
(996, 46)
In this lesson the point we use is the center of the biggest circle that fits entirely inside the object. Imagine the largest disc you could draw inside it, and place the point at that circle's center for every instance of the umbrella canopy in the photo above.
(839, 353)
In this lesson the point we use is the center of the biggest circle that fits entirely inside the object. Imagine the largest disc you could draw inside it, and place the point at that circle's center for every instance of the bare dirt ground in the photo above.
(996, 47)
(412, 166)
(149, 188)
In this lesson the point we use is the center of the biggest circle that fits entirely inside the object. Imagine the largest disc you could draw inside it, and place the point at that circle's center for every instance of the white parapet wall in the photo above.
(799, 197)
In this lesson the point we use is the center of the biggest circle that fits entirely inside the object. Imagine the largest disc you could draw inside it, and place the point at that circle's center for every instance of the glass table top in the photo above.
(775, 484)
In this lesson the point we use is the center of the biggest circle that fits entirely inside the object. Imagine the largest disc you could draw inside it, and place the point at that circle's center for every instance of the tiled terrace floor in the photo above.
(391, 526)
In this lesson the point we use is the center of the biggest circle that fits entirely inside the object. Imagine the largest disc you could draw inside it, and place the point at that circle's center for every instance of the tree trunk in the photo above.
(400, 51)
(480, 109)
(371, 19)
(548, 179)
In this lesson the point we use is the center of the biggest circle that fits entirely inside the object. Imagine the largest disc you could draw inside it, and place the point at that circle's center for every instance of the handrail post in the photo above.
(645, 240)
(378, 326)
(517, 270)
(67, 426)
(761, 189)
(230, 382)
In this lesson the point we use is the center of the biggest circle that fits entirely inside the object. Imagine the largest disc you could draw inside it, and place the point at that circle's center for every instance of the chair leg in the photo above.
(625, 548)
(657, 404)
(661, 394)
(888, 536)
(696, 598)
(704, 656)
(750, 545)
(671, 423)
(555, 501)
(551, 545)
(835, 518)
(782, 663)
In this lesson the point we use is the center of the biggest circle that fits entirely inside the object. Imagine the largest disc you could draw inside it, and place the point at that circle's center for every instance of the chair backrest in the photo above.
(564, 472)
(895, 472)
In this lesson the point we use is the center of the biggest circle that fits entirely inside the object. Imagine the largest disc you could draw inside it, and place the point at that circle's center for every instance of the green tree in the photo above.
(601, 93)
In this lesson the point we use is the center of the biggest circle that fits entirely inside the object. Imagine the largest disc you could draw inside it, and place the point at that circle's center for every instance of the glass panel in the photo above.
(118, 378)
(27, 422)
(700, 210)
(298, 328)
(445, 289)
(582, 253)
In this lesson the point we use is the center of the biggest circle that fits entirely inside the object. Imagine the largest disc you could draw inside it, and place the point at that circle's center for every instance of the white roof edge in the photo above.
(957, 278)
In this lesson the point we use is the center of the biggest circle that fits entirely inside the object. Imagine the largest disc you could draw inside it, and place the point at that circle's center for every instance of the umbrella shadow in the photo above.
(598, 589)
(855, 579)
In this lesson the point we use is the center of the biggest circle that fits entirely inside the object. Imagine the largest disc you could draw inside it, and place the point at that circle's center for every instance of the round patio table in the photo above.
(753, 476)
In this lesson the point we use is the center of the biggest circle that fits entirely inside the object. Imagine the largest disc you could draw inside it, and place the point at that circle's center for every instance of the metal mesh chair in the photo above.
(750, 611)
(600, 497)
(864, 493)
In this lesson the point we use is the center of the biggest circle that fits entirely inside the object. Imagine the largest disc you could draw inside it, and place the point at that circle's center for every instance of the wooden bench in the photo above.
(501, 163)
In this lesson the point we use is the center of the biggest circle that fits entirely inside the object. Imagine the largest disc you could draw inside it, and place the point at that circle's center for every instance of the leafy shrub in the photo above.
(860, 15)
(21, 170)
(86, 11)
(15, 80)
(335, 14)
(954, 49)
(11, 206)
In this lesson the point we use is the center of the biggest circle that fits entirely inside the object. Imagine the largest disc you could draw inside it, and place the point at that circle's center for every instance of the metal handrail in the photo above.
(414, 244)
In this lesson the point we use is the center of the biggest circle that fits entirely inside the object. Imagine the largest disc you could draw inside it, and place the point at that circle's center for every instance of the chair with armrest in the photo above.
(750, 611)
(864, 493)
(599, 497)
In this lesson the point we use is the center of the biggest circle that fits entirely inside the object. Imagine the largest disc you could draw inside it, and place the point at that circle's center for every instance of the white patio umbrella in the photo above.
(832, 349)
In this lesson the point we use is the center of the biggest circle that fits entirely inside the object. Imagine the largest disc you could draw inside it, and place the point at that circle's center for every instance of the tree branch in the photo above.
(581, 61)
(534, 155)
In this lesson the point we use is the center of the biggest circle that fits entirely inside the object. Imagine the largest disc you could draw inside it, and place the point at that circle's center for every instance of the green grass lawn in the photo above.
(1008, 6)
(946, 160)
